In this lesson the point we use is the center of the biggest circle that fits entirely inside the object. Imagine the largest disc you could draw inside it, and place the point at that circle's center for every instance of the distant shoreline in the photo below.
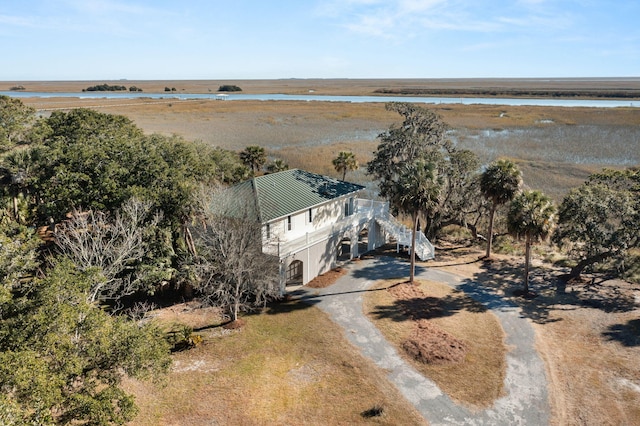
(620, 88)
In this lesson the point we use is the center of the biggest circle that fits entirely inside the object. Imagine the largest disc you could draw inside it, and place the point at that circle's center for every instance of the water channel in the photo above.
(599, 103)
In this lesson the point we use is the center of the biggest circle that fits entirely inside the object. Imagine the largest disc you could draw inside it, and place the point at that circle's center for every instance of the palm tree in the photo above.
(499, 183)
(254, 157)
(277, 165)
(531, 216)
(346, 160)
(415, 191)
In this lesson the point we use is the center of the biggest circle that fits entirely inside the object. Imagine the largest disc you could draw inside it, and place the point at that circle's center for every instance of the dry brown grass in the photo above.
(587, 333)
(557, 148)
(290, 365)
(478, 380)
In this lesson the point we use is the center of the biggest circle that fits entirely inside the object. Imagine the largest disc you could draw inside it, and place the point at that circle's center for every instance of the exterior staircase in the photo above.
(402, 235)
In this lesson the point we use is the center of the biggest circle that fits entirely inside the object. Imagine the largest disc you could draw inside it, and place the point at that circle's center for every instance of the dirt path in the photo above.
(526, 400)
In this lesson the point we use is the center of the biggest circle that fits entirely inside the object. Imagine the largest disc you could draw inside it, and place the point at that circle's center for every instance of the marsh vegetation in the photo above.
(556, 148)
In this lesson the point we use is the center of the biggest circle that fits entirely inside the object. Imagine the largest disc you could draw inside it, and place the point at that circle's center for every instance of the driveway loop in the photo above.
(526, 400)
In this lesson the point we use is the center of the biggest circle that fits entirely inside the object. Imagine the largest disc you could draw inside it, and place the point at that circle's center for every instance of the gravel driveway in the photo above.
(526, 400)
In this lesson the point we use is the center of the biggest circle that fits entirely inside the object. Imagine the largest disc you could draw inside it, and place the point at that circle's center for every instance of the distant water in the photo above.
(601, 103)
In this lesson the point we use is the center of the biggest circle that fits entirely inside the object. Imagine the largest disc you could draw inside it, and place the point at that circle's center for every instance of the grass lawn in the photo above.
(477, 379)
(289, 365)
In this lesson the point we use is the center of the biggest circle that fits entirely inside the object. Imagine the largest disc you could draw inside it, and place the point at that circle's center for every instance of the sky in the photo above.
(266, 39)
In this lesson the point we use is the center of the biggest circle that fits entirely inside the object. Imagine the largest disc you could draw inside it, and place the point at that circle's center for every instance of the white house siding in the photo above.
(316, 259)
(316, 244)
(323, 216)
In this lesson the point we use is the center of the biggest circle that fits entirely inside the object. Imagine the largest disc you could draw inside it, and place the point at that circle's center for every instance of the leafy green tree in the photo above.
(422, 137)
(97, 161)
(418, 137)
(15, 121)
(459, 202)
(18, 259)
(600, 220)
(16, 176)
(62, 358)
(416, 191)
(93, 161)
(345, 161)
(254, 157)
(499, 183)
(531, 216)
(229, 88)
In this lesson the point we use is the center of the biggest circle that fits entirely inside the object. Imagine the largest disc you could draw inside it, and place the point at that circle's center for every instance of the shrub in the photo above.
(181, 338)
(229, 88)
(104, 88)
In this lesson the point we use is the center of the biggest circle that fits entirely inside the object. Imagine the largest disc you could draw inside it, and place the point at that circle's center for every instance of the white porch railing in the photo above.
(402, 234)
(364, 211)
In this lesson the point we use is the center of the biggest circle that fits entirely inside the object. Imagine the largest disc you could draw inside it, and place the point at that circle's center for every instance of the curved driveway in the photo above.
(526, 400)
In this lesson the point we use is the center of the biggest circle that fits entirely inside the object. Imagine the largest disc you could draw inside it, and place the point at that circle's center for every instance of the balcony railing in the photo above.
(364, 211)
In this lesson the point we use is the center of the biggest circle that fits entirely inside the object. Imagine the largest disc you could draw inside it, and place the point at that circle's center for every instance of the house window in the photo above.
(347, 212)
(268, 231)
(288, 223)
(294, 273)
(310, 216)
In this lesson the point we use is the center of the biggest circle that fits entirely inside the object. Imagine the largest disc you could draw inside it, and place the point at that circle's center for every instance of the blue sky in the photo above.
(246, 39)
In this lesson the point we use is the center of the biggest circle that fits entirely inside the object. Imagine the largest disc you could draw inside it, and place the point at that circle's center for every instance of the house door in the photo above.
(344, 250)
(294, 273)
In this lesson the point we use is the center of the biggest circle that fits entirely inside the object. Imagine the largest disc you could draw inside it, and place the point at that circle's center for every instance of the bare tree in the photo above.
(115, 245)
(233, 272)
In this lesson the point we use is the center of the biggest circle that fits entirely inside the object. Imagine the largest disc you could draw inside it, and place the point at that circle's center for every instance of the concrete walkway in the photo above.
(526, 402)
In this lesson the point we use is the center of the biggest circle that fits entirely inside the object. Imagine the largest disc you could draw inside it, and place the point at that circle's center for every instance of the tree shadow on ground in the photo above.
(290, 304)
(628, 334)
(385, 267)
(427, 307)
(549, 289)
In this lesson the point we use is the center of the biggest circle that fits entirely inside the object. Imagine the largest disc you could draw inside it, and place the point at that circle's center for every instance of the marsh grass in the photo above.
(477, 381)
(288, 365)
(556, 148)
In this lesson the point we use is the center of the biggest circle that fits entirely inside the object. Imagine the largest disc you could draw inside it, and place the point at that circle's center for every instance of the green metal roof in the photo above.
(281, 194)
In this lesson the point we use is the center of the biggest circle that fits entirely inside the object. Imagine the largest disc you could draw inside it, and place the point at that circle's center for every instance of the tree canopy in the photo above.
(63, 358)
(416, 190)
(499, 183)
(97, 161)
(86, 161)
(422, 137)
(277, 165)
(600, 220)
(15, 120)
(344, 162)
(254, 157)
(531, 217)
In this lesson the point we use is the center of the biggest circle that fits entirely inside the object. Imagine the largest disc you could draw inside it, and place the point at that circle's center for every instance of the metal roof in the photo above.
(281, 194)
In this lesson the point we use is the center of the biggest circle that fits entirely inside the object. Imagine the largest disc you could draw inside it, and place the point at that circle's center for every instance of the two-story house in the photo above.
(311, 222)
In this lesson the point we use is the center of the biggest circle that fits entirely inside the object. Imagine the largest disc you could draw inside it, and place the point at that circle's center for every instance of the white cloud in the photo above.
(401, 18)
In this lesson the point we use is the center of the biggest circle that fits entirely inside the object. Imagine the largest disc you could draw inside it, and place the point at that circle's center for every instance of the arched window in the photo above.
(294, 273)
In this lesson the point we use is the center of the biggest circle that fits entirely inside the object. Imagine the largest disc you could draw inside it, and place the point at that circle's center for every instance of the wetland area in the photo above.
(556, 148)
